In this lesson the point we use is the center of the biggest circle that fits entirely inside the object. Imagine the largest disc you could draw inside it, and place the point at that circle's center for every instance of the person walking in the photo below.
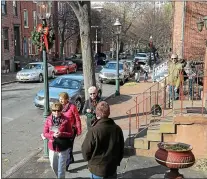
(58, 131)
(137, 71)
(103, 146)
(90, 106)
(70, 111)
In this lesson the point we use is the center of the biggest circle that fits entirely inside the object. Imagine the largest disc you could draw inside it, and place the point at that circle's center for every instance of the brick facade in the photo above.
(188, 42)
(12, 22)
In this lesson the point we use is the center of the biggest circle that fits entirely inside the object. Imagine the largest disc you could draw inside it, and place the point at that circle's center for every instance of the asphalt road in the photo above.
(22, 122)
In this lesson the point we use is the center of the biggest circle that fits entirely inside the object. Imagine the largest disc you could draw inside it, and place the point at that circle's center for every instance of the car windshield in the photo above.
(65, 83)
(113, 66)
(141, 55)
(33, 66)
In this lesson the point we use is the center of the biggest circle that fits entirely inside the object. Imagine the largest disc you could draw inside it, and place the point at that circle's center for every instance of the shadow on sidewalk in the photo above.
(76, 170)
(118, 99)
(126, 116)
(144, 172)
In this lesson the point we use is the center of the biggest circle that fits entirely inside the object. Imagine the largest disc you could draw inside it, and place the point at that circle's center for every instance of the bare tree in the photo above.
(67, 24)
(82, 10)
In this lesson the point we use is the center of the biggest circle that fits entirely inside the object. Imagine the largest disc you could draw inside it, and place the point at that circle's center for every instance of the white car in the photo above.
(34, 72)
(109, 73)
(141, 58)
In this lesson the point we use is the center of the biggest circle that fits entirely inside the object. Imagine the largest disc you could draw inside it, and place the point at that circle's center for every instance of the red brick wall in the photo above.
(8, 21)
(194, 44)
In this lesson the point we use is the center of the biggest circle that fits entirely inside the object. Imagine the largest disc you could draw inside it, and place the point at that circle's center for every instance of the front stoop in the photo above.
(161, 131)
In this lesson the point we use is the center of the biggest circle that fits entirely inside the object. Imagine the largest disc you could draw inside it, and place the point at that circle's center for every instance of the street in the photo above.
(22, 122)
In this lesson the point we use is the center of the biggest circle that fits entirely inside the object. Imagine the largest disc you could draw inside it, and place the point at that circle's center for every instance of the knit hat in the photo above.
(102, 109)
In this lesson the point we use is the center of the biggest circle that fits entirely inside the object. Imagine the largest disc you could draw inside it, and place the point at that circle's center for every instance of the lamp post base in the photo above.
(117, 93)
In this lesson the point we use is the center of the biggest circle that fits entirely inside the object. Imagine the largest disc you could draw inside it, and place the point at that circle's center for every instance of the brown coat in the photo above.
(103, 147)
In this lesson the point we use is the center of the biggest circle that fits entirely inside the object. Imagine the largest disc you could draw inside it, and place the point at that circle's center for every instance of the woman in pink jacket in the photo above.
(70, 111)
(58, 131)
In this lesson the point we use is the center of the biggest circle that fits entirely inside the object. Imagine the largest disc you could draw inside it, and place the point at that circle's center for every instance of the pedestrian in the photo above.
(103, 146)
(174, 77)
(137, 70)
(146, 70)
(58, 131)
(191, 75)
(70, 111)
(90, 106)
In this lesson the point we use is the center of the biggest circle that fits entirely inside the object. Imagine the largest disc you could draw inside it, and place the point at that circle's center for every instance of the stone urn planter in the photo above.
(175, 156)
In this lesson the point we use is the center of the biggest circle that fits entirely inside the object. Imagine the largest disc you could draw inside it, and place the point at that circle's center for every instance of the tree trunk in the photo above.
(78, 50)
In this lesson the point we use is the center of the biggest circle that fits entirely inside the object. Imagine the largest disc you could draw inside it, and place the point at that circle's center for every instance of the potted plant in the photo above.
(175, 156)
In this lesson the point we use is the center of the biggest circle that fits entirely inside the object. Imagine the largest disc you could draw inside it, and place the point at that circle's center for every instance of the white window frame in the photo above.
(15, 10)
(34, 13)
(26, 18)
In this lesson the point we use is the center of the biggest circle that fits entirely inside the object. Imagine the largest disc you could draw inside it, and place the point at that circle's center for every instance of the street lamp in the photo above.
(96, 41)
(117, 26)
(46, 42)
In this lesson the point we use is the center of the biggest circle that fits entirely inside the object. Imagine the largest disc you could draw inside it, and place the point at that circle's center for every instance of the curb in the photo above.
(5, 83)
(16, 167)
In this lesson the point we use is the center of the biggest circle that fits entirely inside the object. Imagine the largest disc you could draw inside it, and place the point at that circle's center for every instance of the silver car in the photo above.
(73, 84)
(34, 72)
(108, 73)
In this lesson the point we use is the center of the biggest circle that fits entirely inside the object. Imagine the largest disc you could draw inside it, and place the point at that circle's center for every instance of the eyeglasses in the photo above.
(56, 111)
(92, 93)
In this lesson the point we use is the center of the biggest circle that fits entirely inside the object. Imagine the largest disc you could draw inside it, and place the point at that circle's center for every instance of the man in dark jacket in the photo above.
(103, 146)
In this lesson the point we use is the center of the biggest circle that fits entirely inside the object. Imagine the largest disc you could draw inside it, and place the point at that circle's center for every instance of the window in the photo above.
(25, 18)
(6, 38)
(15, 8)
(30, 46)
(3, 7)
(25, 46)
(34, 19)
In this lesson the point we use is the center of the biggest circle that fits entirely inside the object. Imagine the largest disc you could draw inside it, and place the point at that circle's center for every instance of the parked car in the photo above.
(73, 84)
(77, 59)
(141, 58)
(34, 72)
(65, 67)
(108, 73)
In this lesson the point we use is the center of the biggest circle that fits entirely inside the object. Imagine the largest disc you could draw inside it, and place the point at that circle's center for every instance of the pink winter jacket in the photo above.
(73, 116)
(65, 129)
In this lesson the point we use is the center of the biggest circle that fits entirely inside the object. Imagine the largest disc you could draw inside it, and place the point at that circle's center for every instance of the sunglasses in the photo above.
(92, 93)
(56, 111)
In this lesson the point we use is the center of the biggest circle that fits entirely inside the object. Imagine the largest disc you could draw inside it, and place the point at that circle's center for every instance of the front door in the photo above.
(16, 41)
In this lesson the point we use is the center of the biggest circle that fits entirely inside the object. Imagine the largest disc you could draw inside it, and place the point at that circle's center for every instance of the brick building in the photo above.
(188, 42)
(11, 33)
(29, 21)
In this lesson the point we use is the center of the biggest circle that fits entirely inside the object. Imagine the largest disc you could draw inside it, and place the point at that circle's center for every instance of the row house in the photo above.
(11, 33)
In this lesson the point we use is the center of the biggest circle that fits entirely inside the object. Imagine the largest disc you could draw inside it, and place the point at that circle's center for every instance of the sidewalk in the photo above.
(131, 166)
(8, 77)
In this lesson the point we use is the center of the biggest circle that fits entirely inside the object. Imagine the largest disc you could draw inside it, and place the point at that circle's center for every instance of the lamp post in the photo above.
(200, 24)
(96, 40)
(44, 13)
(117, 25)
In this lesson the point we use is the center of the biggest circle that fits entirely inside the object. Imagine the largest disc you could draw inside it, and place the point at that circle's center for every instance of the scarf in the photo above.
(66, 107)
(94, 102)
(56, 120)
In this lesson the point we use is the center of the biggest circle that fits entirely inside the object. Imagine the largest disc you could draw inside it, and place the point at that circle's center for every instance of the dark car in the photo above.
(76, 58)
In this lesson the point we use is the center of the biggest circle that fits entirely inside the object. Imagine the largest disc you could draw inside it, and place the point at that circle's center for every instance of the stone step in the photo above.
(154, 135)
(141, 143)
(167, 127)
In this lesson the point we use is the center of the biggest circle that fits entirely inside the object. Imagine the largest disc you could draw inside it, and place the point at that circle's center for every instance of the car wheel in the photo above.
(67, 71)
(40, 78)
(78, 104)
(53, 74)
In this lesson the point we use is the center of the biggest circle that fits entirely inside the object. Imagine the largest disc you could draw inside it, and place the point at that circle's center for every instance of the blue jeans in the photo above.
(172, 92)
(190, 85)
(58, 162)
(92, 176)
(145, 76)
